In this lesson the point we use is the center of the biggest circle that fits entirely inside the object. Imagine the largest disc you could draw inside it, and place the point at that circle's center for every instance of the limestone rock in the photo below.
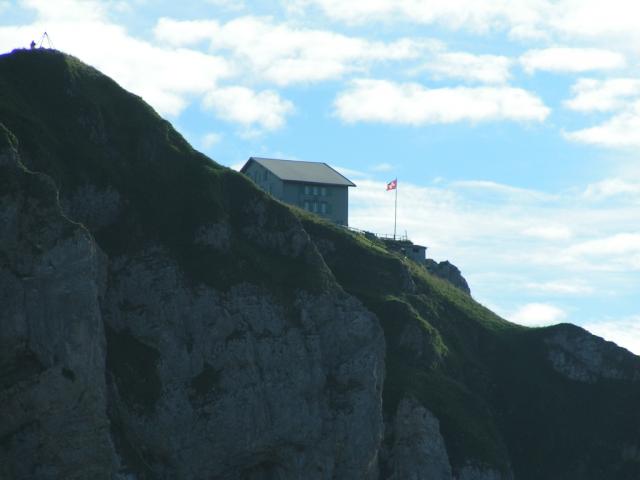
(584, 357)
(449, 272)
(53, 421)
(418, 450)
(240, 385)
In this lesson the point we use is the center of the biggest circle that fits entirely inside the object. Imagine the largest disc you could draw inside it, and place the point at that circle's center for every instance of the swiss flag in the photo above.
(392, 185)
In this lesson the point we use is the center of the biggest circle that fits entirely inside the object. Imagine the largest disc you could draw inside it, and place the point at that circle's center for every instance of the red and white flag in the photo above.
(392, 185)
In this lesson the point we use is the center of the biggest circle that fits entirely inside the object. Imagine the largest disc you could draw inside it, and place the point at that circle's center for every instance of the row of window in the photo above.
(315, 190)
(316, 207)
(259, 175)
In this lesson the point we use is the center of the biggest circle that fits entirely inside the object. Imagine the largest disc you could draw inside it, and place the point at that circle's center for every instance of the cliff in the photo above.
(163, 318)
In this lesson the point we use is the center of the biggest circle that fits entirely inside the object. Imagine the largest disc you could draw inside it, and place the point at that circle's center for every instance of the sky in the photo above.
(512, 126)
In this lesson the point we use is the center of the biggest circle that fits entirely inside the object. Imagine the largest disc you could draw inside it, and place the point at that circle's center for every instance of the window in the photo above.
(307, 190)
(315, 207)
(315, 190)
(323, 207)
(307, 205)
(323, 191)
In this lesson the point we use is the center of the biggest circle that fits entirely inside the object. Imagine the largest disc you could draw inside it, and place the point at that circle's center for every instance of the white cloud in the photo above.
(177, 33)
(413, 104)
(619, 244)
(265, 109)
(285, 54)
(500, 188)
(350, 173)
(611, 187)
(67, 10)
(620, 131)
(211, 139)
(455, 14)
(538, 315)
(567, 287)
(231, 5)
(382, 167)
(611, 22)
(529, 33)
(619, 252)
(624, 332)
(571, 60)
(603, 95)
(549, 232)
(469, 67)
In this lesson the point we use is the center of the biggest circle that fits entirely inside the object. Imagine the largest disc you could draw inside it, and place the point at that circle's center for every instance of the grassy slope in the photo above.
(80, 127)
(487, 380)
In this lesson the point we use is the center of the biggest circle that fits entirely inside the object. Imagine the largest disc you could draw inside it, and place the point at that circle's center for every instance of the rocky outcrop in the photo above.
(581, 356)
(238, 384)
(449, 272)
(53, 421)
(417, 450)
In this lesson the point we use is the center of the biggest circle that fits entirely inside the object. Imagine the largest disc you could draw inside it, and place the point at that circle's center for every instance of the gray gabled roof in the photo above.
(299, 171)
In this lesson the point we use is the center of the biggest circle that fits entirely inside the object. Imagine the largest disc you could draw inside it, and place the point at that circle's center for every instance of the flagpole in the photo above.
(395, 211)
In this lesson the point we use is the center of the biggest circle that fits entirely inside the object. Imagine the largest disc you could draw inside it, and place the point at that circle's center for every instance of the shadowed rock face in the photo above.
(52, 346)
(417, 448)
(163, 318)
(121, 364)
(237, 382)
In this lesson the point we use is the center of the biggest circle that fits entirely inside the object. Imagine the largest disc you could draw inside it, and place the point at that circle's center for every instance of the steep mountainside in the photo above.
(161, 317)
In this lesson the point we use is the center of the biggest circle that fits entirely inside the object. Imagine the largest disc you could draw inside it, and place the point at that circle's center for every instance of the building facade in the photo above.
(313, 186)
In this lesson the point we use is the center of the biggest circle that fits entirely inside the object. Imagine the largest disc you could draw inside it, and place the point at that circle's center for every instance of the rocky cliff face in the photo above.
(122, 365)
(162, 318)
(52, 344)
(238, 384)
(449, 272)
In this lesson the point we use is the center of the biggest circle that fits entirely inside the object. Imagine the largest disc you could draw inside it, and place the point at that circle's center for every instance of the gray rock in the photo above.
(581, 356)
(449, 272)
(244, 385)
(93, 207)
(216, 236)
(418, 450)
(53, 421)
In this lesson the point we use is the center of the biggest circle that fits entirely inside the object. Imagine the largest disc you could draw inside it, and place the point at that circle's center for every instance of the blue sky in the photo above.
(513, 127)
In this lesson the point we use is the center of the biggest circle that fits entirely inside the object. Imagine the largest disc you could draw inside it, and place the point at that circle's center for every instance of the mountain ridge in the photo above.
(227, 322)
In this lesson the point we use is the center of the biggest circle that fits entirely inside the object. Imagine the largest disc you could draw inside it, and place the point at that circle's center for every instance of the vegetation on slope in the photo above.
(80, 127)
(490, 382)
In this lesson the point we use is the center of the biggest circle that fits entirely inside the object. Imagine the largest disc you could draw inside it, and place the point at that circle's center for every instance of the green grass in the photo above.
(487, 380)
(80, 127)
